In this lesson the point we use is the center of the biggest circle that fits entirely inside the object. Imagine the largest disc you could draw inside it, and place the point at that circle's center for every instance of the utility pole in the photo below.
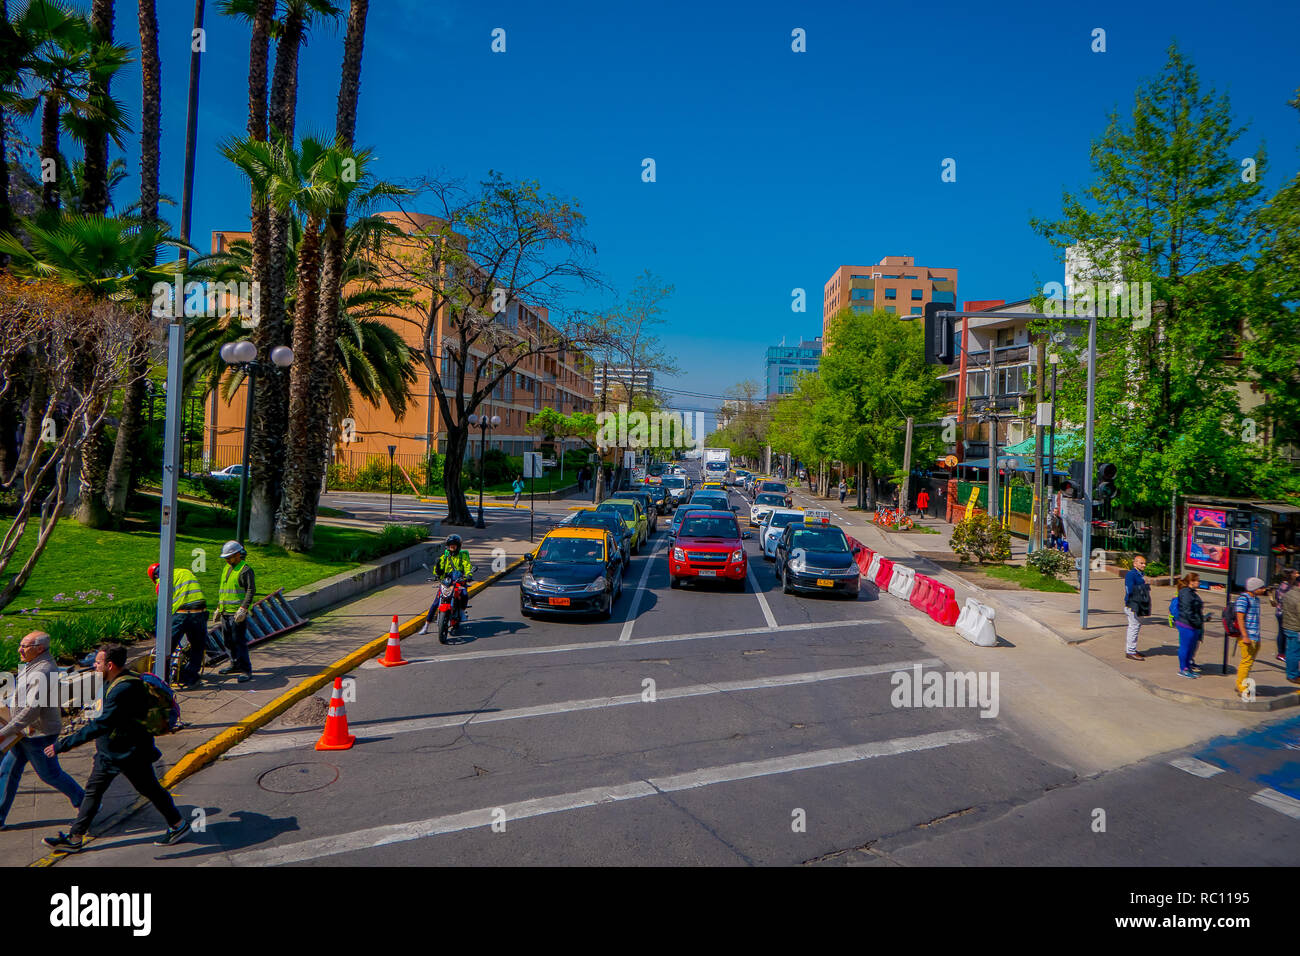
(992, 400)
(1036, 532)
(907, 467)
(1086, 557)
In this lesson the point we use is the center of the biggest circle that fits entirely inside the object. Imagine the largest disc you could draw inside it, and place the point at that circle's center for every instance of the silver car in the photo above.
(774, 524)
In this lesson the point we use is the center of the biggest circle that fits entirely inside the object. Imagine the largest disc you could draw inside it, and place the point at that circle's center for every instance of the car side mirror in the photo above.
(746, 534)
(530, 556)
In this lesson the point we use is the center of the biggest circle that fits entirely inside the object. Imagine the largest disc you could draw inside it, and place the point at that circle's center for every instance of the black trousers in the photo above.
(235, 637)
(139, 773)
(194, 628)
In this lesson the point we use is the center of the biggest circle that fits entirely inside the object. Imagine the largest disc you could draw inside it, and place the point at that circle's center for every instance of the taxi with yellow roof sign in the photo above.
(573, 571)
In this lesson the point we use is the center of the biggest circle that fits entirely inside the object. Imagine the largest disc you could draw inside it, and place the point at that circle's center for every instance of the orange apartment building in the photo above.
(563, 382)
(895, 284)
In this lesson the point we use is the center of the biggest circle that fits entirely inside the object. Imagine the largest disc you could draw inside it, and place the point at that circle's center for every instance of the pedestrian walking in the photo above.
(1190, 622)
(238, 588)
(1247, 608)
(1291, 630)
(1137, 604)
(922, 501)
(844, 490)
(1281, 584)
(123, 745)
(518, 489)
(189, 620)
(36, 721)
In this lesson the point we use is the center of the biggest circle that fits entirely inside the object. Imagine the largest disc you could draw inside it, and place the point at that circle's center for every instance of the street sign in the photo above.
(532, 464)
(1210, 537)
(1242, 540)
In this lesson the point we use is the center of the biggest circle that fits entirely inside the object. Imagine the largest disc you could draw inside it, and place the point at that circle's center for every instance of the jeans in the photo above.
(1281, 638)
(1249, 648)
(32, 750)
(1131, 638)
(1292, 655)
(139, 773)
(1188, 638)
(235, 637)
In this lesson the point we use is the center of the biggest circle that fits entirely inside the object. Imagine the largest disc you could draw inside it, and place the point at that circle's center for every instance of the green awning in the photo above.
(1068, 445)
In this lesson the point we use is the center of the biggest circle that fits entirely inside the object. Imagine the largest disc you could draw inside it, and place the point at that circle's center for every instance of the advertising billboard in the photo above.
(1207, 539)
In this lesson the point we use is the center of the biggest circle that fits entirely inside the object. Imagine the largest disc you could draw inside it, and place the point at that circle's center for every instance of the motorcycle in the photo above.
(451, 597)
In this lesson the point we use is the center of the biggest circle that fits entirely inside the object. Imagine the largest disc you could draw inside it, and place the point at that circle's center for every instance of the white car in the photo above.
(762, 506)
(773, 527)
(232, 471)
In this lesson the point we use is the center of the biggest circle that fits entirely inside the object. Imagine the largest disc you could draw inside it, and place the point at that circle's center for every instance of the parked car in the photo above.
(229, 472)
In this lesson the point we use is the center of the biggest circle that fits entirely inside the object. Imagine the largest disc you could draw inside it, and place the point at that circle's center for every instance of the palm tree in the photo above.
(96, 188)
(110, 259)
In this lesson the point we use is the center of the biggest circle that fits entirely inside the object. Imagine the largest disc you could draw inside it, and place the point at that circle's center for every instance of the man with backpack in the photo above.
(1247, 610)
(124, 745)
(1137, 604)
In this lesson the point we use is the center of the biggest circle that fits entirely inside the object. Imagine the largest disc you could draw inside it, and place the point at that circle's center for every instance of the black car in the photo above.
(573, 571)
(658, 495)
(611, 523)
(816, 558)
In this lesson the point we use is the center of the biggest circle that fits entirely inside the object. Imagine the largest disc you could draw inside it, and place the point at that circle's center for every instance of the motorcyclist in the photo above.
(453, 558)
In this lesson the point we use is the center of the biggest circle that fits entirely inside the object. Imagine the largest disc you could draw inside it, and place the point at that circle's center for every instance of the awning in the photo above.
(1068, 443)
(1277, 509)
(1014, 462)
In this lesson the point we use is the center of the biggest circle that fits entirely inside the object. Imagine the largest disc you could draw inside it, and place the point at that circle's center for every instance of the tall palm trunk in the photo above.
(331, 290)
(94, 194)
(120, 469)
(266, 460)
(292, 525)
(50, 151)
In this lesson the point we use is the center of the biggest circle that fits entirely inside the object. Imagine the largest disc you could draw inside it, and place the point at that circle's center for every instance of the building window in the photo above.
(916, 310)
(891, 293)
(889, 309)
(916, 295)
(868, 295)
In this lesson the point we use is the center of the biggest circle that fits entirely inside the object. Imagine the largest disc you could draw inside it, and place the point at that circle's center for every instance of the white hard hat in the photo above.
(231, 548)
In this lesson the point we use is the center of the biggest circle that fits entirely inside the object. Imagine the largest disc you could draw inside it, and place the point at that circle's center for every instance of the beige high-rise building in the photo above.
(895, 284)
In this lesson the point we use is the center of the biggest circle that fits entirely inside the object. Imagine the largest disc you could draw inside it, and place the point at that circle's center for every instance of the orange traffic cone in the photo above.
(336, 736)
(393, 652)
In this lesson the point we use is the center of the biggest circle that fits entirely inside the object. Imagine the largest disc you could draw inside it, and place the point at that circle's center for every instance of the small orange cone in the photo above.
(393, 652)
(336, 736)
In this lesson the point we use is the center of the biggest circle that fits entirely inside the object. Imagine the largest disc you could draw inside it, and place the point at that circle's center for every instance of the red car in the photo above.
(709, 545)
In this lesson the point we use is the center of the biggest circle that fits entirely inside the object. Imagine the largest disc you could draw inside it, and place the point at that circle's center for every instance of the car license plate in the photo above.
(708, 574)
(825, 583)
(559, 602)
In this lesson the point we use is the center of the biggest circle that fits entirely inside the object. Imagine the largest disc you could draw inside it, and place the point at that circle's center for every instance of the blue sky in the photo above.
(773, 167)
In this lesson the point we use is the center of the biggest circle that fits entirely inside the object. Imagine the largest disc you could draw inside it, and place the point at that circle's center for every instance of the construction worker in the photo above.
(189, 620)
(453, 558)
(238, 588)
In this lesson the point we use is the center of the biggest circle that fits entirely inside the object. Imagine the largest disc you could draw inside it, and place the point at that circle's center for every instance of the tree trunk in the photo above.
(125, 447)
(50, 150)
(38, 398)
(350, 77)
(94, 193)
(457, 509)
(151, 110)
(91, 512)
(6, 211)
(302, 445)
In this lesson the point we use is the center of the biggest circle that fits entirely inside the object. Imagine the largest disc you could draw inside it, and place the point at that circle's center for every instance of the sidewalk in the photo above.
(279, 666)
(1056, 615)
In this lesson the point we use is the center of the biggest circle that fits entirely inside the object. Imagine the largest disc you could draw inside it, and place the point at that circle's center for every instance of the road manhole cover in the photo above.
(298, 778)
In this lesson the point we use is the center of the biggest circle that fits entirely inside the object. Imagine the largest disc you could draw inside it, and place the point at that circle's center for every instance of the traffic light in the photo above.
(1074, 487)
(1105, 487)
(938, 334)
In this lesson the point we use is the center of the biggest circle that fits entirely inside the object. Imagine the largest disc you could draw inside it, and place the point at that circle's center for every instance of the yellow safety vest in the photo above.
(185, 589)
(231, 595)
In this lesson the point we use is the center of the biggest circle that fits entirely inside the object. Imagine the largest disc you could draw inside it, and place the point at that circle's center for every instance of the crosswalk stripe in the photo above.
(1197, 768)
(270, 743)
(592, 796)
(454, 657)
(1280, 802)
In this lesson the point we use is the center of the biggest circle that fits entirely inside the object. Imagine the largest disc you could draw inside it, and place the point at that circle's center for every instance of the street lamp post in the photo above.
(483, 423)
(243, 355)
(392, 450)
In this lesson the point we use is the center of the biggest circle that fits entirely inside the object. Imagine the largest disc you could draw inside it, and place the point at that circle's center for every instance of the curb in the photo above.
(1291, 699)
(205, 753)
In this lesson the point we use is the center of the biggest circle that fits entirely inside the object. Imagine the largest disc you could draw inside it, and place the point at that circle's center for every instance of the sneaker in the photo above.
(425, 629)
(173, 834)
(243, 677)
(228, 670)
(64, 842)
(1135, 657)
(1194, 667)
(1187, 673)
(1280, 658)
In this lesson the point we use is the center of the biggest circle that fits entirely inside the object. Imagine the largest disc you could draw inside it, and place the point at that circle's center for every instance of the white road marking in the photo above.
(626, 633)
(484, 817)
(1280, 802)
(264, 743)
(762, 598)
(598, 645)
(1197, 768)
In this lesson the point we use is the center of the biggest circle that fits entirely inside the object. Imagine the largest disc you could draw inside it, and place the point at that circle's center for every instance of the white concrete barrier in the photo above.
(975, 623)
(902, 582)
(874, 568)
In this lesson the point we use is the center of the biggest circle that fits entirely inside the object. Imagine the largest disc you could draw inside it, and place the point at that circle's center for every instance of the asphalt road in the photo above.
(703, 726)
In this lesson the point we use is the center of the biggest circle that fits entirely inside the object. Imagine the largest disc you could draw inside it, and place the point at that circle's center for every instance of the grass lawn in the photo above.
(551, 482)
(90, 585)
(1028, 578)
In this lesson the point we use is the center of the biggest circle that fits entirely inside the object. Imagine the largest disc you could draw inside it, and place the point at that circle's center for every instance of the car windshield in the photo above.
(627, 511)
(773, 486)
(770, 500)
(572, 550)
(671, 482)
(710, 527)
(684, 510)
(590, 519)
(781, 520)
(820, 539)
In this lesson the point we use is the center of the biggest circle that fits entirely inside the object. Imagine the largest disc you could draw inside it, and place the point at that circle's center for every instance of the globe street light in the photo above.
(483, 423)
(243, 355)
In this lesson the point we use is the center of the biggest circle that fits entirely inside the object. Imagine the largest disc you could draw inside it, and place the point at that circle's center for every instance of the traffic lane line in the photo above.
(639, 642)
(385, 728)
(484, 817)
(635, 603)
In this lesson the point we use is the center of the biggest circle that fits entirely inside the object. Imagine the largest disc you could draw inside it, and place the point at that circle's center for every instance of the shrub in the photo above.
(1050, 562)
(982, 538)
(74, 633)
(393, 538)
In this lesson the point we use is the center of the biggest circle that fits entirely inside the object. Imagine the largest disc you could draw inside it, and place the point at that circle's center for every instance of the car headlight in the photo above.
(797, 562)
(529, 581)
(737, 555)
(679, 554)
(598, 584)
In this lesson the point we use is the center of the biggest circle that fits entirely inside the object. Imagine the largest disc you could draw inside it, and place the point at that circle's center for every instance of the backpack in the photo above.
(164, 713)
(1173, 610)
(1230, 621)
